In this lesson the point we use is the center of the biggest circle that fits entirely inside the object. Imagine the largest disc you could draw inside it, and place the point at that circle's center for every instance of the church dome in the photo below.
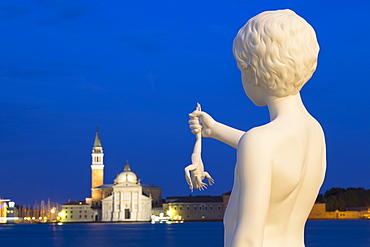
(126, 176)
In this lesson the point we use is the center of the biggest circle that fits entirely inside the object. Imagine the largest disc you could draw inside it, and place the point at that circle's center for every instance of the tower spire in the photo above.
(97, 142)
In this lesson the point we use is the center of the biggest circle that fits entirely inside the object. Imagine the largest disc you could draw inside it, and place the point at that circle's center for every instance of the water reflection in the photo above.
(338, 233)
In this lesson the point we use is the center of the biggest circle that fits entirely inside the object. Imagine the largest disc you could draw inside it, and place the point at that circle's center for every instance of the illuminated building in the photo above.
(3, 209)
(194, 208)
(7, 211)
(76, 211)
(319, 212)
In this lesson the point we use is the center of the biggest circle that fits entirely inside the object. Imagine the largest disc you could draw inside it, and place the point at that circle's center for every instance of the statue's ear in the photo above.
(251, 72)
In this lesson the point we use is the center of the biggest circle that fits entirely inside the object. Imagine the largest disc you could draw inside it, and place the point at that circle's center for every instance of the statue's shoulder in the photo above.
(255, 149)
(258, 138)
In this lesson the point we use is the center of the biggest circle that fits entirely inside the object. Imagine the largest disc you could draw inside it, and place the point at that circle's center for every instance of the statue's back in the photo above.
(298, 170)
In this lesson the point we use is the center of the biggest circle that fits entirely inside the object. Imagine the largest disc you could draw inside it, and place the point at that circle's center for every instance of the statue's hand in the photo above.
(201, 122)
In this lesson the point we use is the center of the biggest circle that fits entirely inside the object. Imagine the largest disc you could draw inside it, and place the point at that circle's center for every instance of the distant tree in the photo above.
(341, 199)
(333, 192)
(367, 198)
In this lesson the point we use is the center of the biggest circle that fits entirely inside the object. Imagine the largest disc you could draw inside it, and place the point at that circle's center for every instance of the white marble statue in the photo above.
(280, 165)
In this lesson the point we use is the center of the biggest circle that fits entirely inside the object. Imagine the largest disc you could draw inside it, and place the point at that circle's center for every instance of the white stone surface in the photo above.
(127, 202)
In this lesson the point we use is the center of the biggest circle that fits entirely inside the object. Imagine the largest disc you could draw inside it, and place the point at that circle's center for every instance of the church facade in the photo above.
(127, 202)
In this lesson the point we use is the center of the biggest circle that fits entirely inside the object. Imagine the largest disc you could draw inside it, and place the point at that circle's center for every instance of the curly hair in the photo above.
(281, 48)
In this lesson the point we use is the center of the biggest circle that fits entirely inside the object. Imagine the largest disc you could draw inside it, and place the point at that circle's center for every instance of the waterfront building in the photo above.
(194, 208)
(7, 211)
(225, 199)
(77, 211)
(3, 210)
(350, 213)
(319, 212)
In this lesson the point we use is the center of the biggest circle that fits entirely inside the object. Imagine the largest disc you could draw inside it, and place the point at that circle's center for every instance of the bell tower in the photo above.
(97, 168)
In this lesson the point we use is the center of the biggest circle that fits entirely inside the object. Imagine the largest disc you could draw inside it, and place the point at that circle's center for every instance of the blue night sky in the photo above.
(137, 68)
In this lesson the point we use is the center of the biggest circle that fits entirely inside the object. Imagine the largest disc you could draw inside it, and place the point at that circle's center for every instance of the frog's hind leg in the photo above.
(187, 170)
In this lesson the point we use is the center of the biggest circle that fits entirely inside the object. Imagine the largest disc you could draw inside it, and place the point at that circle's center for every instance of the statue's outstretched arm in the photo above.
(254, 169)
(202, 122)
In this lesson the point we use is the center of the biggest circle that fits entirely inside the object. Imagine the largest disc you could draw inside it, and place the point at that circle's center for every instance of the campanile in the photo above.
(97, 167)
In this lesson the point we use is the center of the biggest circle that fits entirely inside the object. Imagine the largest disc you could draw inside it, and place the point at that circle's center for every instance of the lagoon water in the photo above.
(334, 233)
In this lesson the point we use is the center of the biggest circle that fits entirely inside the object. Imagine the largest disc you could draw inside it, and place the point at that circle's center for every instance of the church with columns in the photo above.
(124, 200)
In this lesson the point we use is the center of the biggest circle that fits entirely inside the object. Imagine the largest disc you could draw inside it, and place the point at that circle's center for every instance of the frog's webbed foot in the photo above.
(209, 178)
(198, 183)
(203, 186)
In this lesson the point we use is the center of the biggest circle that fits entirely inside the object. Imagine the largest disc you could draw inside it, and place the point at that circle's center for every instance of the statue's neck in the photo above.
(287, 106)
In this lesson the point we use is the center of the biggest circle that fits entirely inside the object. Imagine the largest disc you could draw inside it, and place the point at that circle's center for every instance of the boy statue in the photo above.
(280, 165)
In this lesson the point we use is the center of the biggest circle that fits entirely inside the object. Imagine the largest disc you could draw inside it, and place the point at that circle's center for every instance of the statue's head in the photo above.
(277, 50)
